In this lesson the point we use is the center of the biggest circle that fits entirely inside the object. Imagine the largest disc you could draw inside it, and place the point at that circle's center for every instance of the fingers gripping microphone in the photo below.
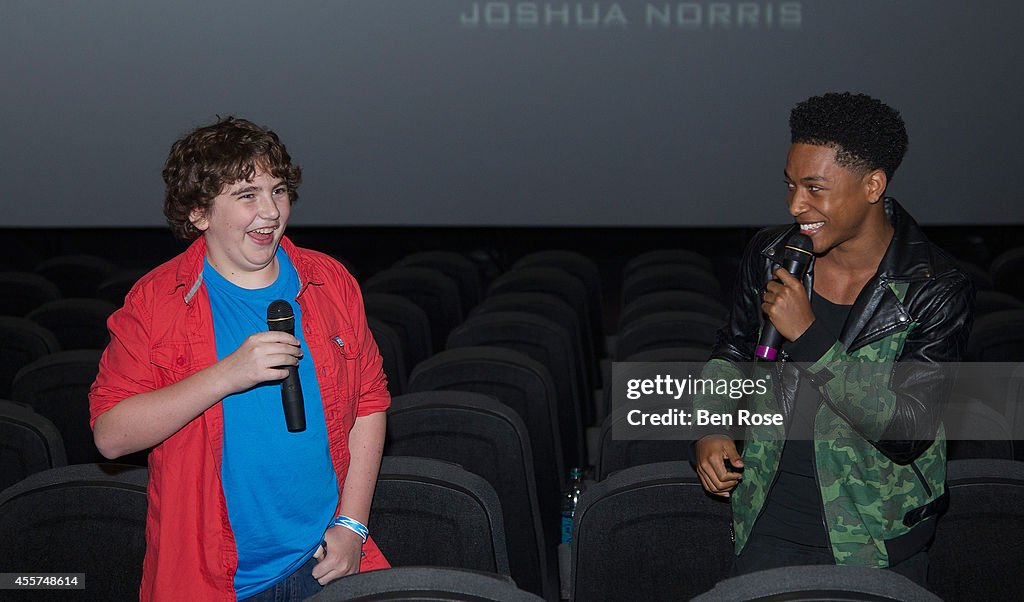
(280, 318)
(797, 258)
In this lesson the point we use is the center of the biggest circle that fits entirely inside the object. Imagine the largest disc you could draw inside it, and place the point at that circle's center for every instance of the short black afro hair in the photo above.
(865, 133)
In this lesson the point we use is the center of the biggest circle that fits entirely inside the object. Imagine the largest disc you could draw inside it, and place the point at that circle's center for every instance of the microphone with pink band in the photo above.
(797, 257)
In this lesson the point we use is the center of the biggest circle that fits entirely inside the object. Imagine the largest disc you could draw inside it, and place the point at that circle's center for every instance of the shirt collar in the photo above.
(189, 274)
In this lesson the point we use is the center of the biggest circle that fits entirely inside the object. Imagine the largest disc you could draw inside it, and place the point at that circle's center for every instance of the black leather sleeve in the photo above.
(919, 381)
(923, 376)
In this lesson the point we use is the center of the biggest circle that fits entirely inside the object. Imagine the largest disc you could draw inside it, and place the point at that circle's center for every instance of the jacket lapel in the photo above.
(905, 260)
(901, 263)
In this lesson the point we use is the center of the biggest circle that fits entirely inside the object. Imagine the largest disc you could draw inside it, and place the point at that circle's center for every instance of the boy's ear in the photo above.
(198, 218)
(875, 183)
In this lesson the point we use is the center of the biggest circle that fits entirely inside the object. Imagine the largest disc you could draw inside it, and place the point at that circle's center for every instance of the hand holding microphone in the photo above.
(281, 318)
(796, 259)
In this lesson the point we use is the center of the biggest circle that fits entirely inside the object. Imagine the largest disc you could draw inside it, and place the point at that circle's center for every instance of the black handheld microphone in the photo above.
(797, 257)
(280, 318)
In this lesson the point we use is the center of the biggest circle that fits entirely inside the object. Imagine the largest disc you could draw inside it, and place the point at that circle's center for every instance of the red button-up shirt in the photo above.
(164, 333)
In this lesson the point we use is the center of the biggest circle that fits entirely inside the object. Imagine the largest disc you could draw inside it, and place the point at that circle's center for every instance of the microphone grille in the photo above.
(799, 250)
(279, 310)
(801, 243)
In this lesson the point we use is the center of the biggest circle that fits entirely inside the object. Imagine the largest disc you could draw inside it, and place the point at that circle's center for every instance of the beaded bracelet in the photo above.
(352, 525)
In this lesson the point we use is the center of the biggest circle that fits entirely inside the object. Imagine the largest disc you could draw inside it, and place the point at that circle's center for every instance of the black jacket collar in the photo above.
(909, 258)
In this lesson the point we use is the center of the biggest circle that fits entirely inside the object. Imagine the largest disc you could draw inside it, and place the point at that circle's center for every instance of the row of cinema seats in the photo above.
(427, 515)
(649, 532)
(472, 430)
(413, 305)
(88, 275)
(54, 295)
(53, 327)
(489, 440)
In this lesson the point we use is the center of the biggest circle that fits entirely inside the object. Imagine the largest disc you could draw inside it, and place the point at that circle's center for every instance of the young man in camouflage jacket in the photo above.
(856, 473)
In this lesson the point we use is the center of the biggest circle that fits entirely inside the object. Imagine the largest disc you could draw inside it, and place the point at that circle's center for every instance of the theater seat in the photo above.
(21, 292)
(24, 342)
(666, 257)
(523, 385)
(423, 584)
(409, 321)
(76, 274)
(667, 329)
(29, 443)
(390, 346)
(430, 512)
(580, 266)
(997, 337)
(551, 307)
(78, 323)
(825, 582)
(977, 553)
(1006, 270)
(433, 291)
(649, 533)
(487, 438)
(57, 386)
(669, 277)
(87, 518)
(550, 344)
(458, 267)
(566, 286)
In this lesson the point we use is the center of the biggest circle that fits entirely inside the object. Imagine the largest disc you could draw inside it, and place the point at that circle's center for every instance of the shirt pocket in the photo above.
(171, 362)
(343, 375)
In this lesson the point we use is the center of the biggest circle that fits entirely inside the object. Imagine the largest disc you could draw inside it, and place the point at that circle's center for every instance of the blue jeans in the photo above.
(293, 588)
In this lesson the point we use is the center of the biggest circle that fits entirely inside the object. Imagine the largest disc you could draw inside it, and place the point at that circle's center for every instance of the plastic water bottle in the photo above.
(570, 499)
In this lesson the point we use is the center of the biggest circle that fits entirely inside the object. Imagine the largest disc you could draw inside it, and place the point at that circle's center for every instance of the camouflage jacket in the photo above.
(879, 443)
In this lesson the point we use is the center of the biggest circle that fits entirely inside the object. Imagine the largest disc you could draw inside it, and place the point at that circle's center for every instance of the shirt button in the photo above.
(181, 360)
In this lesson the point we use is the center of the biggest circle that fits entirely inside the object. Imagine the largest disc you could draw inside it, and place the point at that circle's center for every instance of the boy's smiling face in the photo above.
(243, 228)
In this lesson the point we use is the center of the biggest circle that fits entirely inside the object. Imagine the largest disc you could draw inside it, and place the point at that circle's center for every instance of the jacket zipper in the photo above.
(817, 483)
(777, 392)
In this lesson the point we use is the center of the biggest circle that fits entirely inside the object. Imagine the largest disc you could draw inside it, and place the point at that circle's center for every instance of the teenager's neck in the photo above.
(250, 280)
(862, 254)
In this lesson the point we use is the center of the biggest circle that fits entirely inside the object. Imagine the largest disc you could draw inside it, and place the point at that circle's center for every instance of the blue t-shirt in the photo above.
(280, 487)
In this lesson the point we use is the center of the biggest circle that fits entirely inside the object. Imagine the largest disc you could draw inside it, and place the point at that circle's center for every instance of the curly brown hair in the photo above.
(210, 157)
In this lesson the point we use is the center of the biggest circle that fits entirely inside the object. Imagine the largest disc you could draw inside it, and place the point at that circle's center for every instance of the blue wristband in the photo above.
(352, 525)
